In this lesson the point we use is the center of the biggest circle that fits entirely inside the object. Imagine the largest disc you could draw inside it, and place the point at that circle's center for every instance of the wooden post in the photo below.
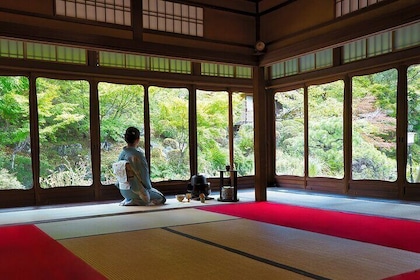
(347, 133)
(402, 129)
(260, 134)
(95, 136)
(193, 129)
(231, 140)
(146, 112)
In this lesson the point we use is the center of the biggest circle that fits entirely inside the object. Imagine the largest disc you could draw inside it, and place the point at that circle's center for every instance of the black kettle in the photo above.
(199, 185)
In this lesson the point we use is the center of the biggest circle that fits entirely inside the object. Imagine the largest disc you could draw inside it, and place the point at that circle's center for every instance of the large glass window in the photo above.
(243, 133)
(64, 133)
(290, 132)
(374, 102)
(413, 129)
(120, 106)
(15, 142)
(212, 130)
(169, 134)
(325, 122)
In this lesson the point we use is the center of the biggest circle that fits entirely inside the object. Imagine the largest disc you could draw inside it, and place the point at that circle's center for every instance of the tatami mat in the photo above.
(232, 249)
(160, 254)
(371, 206)
(134, 221)
(328, 256)
(64, 212)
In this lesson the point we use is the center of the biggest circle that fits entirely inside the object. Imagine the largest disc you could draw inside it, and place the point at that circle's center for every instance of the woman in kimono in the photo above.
(139, 191)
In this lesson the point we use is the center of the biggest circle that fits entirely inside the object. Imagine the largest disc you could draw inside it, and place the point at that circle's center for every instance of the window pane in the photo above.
(277, 70)
(173, 17)
(289, 132)
(15, 142)
(325, 115)
(324, 59)
(291, 67)
(120, 106)
(374, 126)
(106, 11)
(64, 133)
(307, 62)
(379, 44)
(413, 149)
(243, 133)
(169, 137)
(354, 51)
(11, 48)
(407, 36)
(343, 7)
(212, 130)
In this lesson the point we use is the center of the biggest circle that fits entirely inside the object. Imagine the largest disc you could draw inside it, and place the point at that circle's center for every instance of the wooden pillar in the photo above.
(192, 120)
(306, 135)
(260, 134)
(137, 20)
(95, 137)
(271, 138)
(231, 140)
(347, 133)
(146, 111)
(402, 130)
(34, 135)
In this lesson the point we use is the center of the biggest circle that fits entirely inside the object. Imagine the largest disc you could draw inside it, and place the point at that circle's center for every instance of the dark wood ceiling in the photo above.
(250, 7)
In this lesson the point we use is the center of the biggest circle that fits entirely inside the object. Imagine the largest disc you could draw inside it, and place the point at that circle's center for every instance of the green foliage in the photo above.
(169, 136)
(212, 158)
(288, 164)
(68, 174)
(414, 108)
(289, 132)
(326, 104)
(64, 132)
(370, 163)
(244, 142)
(326, 147)
(14, 110)
(121, 106)
(15, 158)
(374, 128)
(9, 181)
(63, 109)
(244, 163)
(64, 129)
(243, 135)
(212, 132)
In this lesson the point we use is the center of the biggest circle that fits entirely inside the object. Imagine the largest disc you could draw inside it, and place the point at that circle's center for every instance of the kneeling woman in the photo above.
(141, 191)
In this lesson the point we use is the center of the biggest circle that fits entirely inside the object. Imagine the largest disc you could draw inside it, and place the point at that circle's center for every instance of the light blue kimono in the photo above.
(140, 193)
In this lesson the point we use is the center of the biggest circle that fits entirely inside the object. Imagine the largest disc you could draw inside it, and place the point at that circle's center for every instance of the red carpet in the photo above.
(413, 275)
(26, 252)
(395, 233)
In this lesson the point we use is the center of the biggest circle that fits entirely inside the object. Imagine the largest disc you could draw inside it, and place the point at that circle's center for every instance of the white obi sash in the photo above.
(120, 171)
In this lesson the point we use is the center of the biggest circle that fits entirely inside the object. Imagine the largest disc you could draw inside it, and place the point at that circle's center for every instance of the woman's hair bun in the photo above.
(131, 135)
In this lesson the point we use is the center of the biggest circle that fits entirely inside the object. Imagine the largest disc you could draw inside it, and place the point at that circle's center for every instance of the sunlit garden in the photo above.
(65, 134)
